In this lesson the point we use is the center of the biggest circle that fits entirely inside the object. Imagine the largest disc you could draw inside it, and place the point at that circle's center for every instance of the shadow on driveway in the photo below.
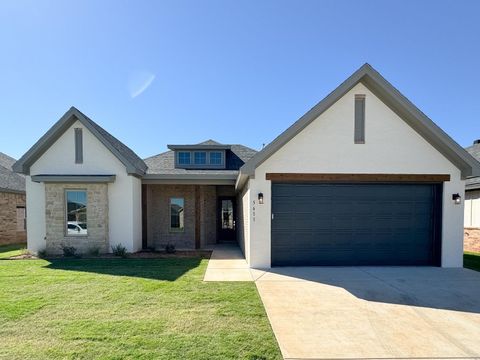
(431, 287)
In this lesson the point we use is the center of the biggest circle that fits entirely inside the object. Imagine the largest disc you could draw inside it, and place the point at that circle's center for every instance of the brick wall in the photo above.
(8, 218)
(158, 216)
(471, 240)
(97, 218)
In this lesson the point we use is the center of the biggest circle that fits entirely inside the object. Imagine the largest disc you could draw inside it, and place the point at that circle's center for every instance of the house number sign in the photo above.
(253, 210)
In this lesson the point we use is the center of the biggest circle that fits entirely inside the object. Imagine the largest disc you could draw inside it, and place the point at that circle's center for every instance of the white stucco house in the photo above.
(363, 178)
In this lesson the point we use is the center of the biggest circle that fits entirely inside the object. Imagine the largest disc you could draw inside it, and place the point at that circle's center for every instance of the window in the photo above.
(359, 137)
(200, 157)
(76, 208)
(78, 146)
(216, 158)
(21, 223)
(184, 158)
(176, 214)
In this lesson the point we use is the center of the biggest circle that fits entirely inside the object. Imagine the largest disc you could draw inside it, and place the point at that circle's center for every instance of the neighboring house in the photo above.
(363, 178)
(12, 203)
(472, 205)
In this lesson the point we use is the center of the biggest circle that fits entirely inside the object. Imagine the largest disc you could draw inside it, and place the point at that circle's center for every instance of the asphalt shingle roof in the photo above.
(164, 163)
(473, 182)
(8, 179)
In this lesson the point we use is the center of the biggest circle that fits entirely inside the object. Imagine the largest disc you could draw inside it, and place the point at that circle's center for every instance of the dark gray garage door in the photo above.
(355, 224)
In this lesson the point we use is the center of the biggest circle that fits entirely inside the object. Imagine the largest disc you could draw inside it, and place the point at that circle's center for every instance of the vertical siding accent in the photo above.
(78, 146)
(359, 119)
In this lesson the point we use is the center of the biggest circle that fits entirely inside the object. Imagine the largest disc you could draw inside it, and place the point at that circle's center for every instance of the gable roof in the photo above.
(132, 162)
(9, 181)
(406, 110)
(236, 156)
(473, 182)
(6, 161)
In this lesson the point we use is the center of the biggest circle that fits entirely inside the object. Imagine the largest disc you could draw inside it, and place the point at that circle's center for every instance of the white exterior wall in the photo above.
(472, 209)
(245, 241)
(35, 204)
(326, 146)
(124, 195)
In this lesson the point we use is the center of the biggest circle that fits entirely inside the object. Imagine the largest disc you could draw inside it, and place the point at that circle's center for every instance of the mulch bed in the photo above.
(203, 254)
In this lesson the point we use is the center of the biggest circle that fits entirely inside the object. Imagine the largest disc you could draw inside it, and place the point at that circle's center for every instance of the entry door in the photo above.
(226, 219)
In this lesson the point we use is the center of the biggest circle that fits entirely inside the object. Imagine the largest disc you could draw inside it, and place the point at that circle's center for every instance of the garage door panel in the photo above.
(352, 224)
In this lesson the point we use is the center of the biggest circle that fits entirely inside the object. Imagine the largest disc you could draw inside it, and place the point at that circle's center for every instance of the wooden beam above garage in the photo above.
(356, 178)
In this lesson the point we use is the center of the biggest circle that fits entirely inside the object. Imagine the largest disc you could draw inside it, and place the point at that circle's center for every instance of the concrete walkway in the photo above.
(227, 263)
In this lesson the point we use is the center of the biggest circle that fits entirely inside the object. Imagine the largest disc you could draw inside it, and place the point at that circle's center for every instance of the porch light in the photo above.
(457, 199)
(260, 198)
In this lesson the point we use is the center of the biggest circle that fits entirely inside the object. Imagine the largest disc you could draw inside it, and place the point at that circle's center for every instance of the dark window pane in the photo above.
(200, 158)
(76, 212)
(176, 213)
(227, 214)
(184, 158)
(216, 158)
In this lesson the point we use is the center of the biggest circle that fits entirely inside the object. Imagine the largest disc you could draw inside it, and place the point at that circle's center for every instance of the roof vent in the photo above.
(475, 142)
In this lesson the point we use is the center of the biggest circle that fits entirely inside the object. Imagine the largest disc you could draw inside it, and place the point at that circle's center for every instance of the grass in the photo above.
(471, 260)
(128, 309)
(7, 251)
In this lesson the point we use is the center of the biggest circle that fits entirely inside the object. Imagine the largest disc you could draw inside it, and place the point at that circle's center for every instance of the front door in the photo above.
(226, 219)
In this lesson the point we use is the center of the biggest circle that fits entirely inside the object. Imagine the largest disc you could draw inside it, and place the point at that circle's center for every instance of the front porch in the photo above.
(188, 216)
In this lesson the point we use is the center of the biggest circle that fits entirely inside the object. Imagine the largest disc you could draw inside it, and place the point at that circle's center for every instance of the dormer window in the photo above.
(200, 157)
(184, 158)
(216, 158)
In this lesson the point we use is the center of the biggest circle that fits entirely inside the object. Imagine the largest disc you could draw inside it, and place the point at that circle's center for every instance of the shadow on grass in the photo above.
(471, 260)
(157, 269)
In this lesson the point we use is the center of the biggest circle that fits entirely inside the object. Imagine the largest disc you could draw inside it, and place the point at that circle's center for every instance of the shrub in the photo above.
(119, 250)
(69, 251)
(94, 251)
(170, 249)
(42, 254)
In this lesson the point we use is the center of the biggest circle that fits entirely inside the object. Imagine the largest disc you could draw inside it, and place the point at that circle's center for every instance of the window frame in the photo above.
(195, 153)
(189, 158)
(221, 158)
(207, 165)
(66, 211)
(174, 229)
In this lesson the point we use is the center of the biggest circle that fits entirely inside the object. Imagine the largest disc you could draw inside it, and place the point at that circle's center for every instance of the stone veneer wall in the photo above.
(8, 218)
(471, 241)
(97, 218)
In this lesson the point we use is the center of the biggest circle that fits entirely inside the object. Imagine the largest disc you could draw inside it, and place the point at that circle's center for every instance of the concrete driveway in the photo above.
(373, 312)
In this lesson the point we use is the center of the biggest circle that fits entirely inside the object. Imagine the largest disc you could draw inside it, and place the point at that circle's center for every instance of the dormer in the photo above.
(200, 156)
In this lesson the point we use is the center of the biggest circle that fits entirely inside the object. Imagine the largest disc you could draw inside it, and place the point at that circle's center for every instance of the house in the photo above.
(472, 205)
(12, 203)
(363, 178)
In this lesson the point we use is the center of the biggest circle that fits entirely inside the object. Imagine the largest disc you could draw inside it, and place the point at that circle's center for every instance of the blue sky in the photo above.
(161, 72)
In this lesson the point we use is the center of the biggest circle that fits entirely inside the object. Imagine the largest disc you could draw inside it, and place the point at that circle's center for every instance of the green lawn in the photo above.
(128, 309)
(471, 260)
(7, 251)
